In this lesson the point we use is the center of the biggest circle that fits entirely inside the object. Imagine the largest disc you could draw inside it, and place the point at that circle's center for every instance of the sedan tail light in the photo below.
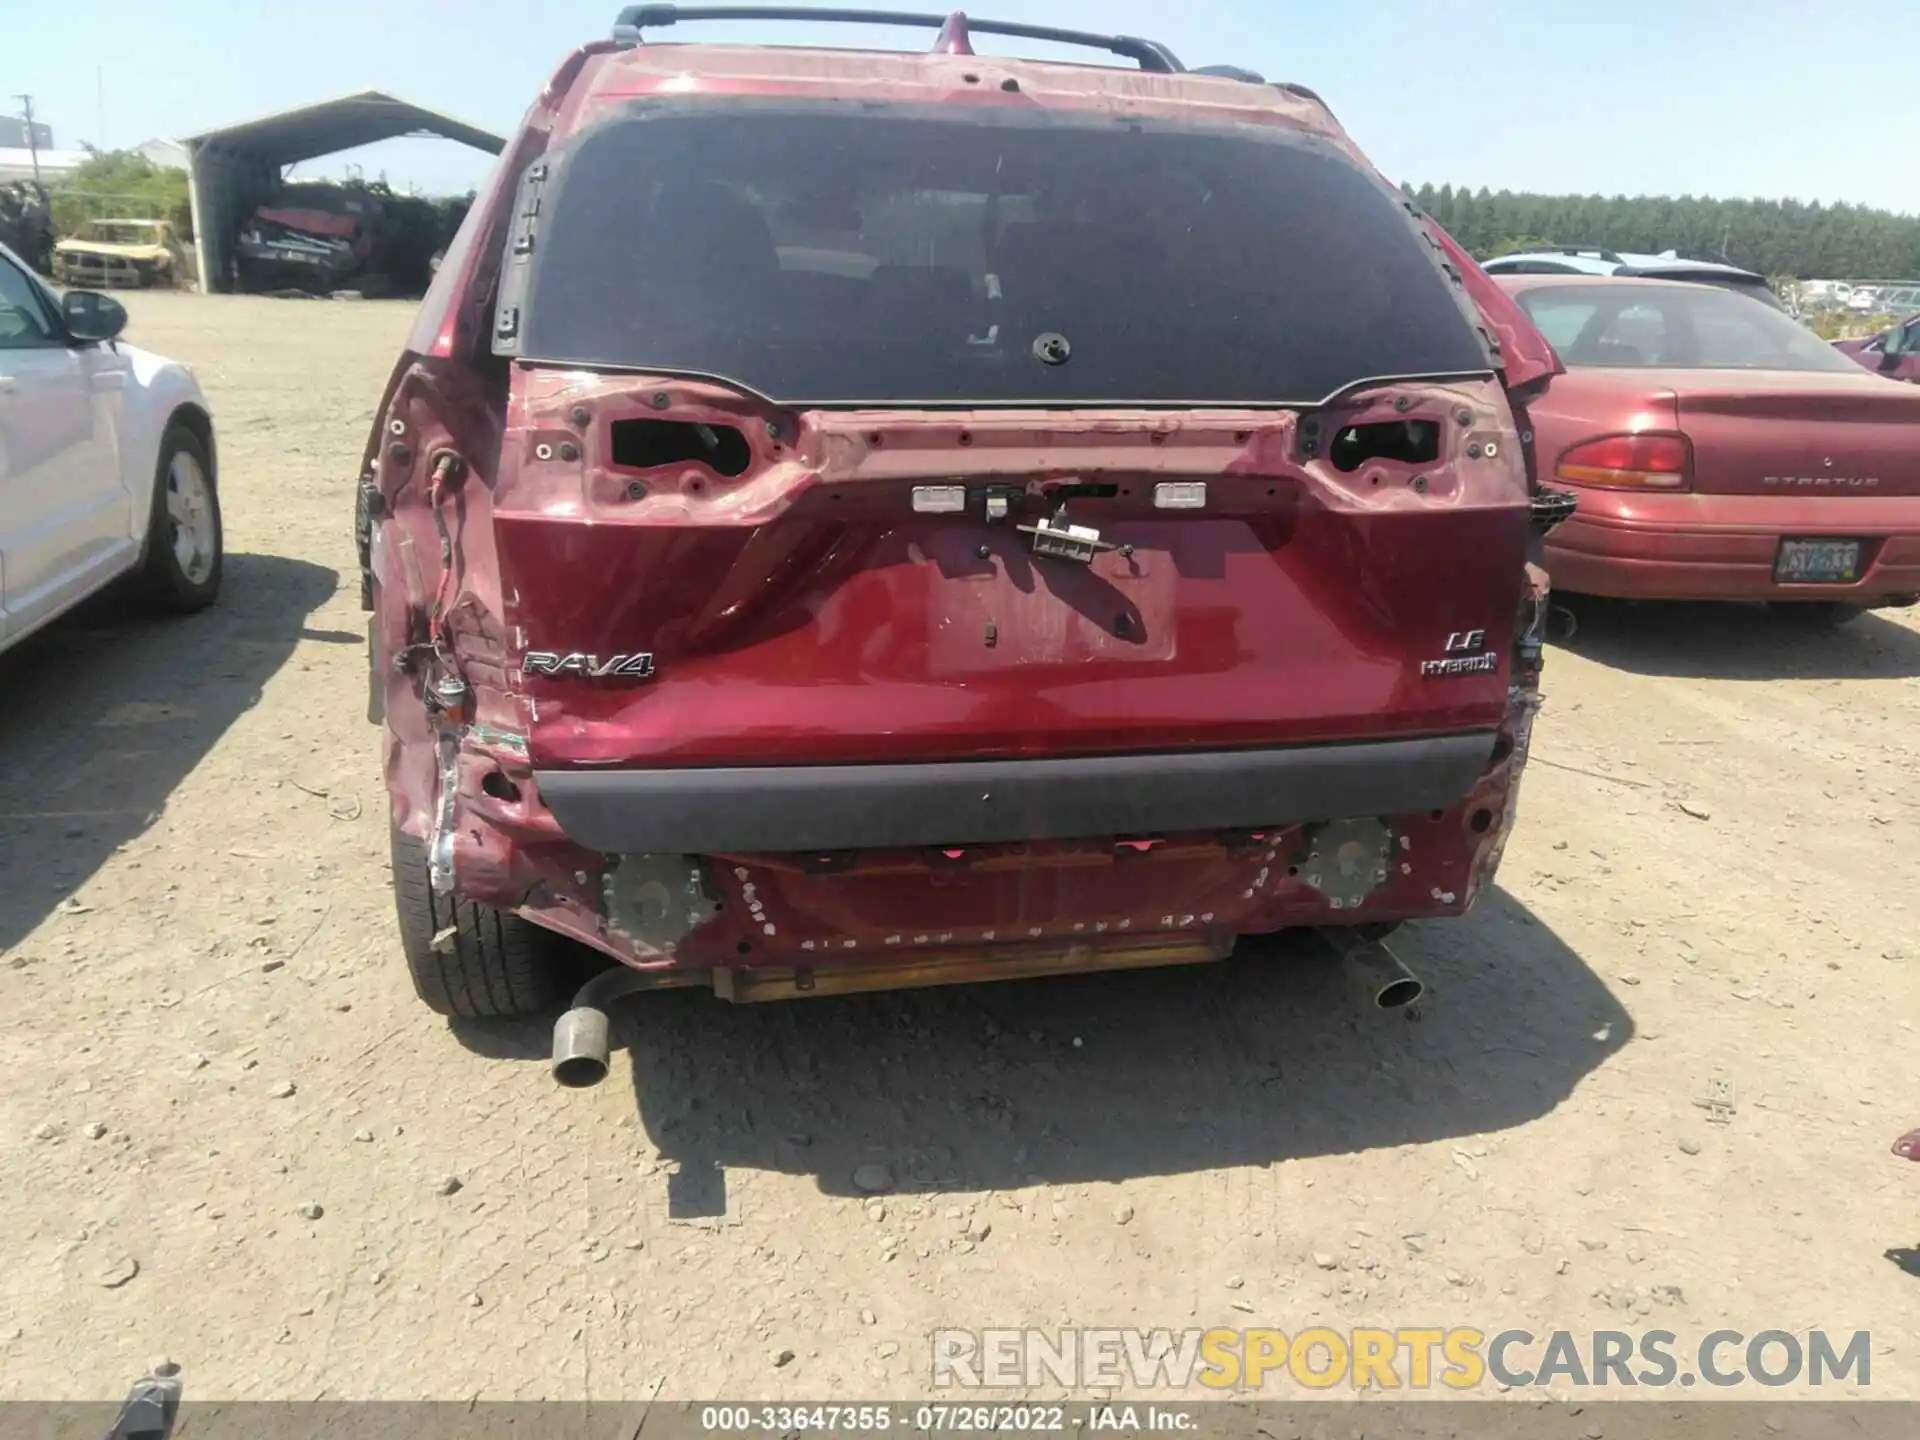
(1650, 460)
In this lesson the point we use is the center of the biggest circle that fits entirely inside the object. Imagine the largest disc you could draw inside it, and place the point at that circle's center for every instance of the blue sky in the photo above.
(1710, 97)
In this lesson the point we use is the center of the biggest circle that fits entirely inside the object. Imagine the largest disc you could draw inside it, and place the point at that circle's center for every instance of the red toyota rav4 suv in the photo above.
(855, 519)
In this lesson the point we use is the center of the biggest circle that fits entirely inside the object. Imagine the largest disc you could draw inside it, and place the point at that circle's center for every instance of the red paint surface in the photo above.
(312, 222)
(803, 603)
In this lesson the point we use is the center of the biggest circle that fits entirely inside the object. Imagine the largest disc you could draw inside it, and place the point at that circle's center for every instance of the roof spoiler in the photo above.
(953, 29)
(1598, 252)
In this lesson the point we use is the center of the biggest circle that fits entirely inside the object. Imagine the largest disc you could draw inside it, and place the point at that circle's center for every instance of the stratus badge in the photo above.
(1460, 658)
(590, 667)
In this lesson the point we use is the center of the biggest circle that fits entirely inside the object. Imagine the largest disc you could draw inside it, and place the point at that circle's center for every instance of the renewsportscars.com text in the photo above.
(1408, 1358)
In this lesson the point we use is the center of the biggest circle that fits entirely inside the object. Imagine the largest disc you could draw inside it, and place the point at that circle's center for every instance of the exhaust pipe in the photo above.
(1380, 974)
(582, 1051)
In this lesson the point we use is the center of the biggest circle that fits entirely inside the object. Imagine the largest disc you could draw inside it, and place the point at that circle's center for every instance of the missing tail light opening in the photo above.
(1412, 442)
(648, 444)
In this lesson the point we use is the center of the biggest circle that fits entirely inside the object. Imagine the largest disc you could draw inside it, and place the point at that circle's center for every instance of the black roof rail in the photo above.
(1148, 54)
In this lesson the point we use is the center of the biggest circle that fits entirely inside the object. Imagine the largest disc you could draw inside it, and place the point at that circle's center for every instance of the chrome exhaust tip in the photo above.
(581, 1054)
(1383, 976)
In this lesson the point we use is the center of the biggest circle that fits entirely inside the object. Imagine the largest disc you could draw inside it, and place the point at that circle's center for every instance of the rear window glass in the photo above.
(1680, 326)
(830, 255)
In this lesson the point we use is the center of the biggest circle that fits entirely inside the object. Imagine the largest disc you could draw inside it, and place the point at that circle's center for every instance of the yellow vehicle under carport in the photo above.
(129, 253)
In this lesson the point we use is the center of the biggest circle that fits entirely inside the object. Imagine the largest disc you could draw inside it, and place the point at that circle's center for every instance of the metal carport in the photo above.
(237, 168)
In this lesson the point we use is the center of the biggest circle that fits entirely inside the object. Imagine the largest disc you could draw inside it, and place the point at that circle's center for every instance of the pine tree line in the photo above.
(1774, 237)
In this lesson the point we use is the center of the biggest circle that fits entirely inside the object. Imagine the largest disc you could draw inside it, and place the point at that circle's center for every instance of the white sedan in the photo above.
(106, 460)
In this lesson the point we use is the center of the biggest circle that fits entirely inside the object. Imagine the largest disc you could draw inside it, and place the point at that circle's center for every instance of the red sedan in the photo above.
(1721, 451)
(1894, 352)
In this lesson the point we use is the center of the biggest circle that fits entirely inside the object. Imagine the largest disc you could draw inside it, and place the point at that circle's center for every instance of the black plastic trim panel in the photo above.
(862, 807)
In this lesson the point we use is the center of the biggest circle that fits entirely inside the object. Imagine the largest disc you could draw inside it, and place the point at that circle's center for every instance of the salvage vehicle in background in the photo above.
(847, 520)
(121, 254)
(106, 461)
(1668, 265)
(310, 238)
(1721, 452)
(26, 222)
(319, 237)
(1893, 353)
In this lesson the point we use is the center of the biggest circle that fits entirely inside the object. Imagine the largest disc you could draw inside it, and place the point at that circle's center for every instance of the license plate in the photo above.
(1817, 562)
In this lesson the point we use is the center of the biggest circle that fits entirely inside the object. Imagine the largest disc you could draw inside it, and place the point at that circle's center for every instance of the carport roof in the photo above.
(329, 126)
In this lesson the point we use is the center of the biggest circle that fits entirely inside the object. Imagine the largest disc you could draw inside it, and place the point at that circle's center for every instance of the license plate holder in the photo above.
(1818, 560)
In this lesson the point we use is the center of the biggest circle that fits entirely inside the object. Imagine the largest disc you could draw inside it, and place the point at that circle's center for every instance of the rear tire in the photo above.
(185, 539)
(1815, 614)
(491, 965)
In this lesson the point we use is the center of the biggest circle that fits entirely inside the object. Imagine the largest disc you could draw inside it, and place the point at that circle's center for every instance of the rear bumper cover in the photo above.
(1722, 547)
(775, 809)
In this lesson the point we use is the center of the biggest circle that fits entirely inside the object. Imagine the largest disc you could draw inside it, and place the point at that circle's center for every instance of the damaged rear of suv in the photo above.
(850, 519)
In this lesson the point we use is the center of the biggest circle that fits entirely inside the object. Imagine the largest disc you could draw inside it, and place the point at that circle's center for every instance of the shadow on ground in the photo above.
(104, 714)
(1737, 642)
(984, 1087)
(1907, 1258)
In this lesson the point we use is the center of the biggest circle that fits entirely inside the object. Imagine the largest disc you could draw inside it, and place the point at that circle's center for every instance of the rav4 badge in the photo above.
(590, 667)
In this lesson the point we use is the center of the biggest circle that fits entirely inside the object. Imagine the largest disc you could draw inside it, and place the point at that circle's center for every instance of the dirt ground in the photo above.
(1713, 881)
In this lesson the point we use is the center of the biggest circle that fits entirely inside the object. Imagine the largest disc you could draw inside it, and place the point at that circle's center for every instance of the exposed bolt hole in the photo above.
(966, 437)
(1010, 84)
(876, 439)
(499, 786)
(696, 485)
(1158, 437)
(744, 948)
(1293, 872)
(971, 79)
(1411, 442)
(1240, 437)
(644, 444)
(1480, 821)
